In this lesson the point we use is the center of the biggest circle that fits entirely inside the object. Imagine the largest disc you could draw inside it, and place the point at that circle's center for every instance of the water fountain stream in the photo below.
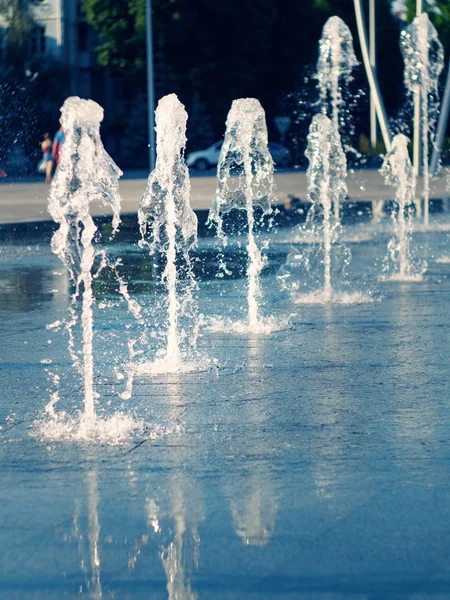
(398, 172)
(85, 174)
(424, 60)
(166, 215)
(326, 187)
(336, 62)
(245, 181)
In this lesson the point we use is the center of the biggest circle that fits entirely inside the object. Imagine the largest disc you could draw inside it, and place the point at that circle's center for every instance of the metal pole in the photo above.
(59, 28)
(150, 86)
(374, 87)
(373, 63)
(442, 125)
(416, 136)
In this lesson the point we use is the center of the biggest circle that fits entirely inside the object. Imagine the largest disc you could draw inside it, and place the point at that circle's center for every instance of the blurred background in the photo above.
(207, 52)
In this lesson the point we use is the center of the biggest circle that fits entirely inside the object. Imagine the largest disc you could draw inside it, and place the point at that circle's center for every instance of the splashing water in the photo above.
(398, 172)
(118, 429)
(85, 174)
(245, 181)
(336, 62)
(166, 215)
(326, 186)
(423, 55)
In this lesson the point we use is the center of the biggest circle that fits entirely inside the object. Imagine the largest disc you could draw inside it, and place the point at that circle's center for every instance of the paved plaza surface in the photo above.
(310, 464)
(24, 202)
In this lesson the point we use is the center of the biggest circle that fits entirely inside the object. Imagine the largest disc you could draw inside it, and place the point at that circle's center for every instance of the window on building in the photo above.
(38, 40)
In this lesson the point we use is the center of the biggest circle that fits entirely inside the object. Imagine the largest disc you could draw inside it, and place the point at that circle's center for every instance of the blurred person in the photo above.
(58, 141)
(46, 147)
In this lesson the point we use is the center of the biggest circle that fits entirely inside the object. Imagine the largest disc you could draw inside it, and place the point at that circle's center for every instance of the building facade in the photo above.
(62, 32)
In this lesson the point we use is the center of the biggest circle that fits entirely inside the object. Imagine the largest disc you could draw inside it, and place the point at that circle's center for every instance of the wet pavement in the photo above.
(312, 463)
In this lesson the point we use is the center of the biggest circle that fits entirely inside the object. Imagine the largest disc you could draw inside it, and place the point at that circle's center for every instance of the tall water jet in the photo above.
(166, 217)
(85, 174)
(326, 186)
(336, 62)
(398, 172)
(245, 181)
(423, 55)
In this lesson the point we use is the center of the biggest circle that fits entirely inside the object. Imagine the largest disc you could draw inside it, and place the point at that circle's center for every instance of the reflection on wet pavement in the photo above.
(311, 463)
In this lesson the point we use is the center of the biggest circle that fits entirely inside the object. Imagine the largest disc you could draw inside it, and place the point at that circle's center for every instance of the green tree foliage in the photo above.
(121, 29)
(227, 49)
(221, 50)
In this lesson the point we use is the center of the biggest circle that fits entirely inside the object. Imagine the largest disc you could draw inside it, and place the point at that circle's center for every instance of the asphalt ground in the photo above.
(22, 202)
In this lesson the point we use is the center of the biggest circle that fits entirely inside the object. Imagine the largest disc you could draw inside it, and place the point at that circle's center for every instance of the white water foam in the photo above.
(118, 429)
(320, 298)
(264, 326)
(167, 366)
(405, 277)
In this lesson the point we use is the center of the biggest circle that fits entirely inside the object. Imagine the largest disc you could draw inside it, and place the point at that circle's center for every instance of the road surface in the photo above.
(26, 202)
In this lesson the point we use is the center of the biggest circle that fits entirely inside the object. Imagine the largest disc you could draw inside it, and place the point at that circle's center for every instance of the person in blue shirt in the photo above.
(47, 160)
(58, 141)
